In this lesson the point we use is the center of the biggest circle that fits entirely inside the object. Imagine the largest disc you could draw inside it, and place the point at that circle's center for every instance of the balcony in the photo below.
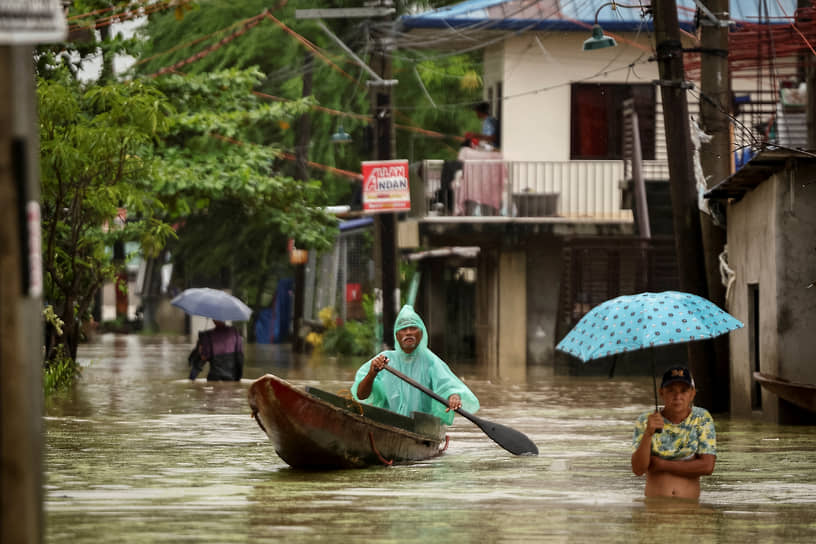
(524, 191)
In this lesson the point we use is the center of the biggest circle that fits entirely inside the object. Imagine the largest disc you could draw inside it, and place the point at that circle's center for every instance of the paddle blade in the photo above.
(510, 439)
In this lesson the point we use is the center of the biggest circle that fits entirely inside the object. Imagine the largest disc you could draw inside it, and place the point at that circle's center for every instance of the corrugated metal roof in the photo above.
(576, 15)
(761, 167)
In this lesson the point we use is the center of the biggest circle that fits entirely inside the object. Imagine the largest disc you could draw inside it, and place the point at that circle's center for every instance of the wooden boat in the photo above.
(802, 395)
(315, 429)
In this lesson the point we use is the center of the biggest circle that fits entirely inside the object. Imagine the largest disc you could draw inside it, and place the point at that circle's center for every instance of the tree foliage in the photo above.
(213, 37)
(202, 148)
(219, 178)
(339, 84)
(96, 160)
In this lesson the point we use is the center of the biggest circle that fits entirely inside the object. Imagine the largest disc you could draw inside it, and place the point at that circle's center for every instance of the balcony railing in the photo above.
(588, 190)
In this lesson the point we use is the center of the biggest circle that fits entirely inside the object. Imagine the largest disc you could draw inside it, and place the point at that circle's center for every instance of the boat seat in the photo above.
(419, 422)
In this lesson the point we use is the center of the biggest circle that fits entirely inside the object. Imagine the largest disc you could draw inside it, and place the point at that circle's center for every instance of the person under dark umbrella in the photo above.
(222, 347)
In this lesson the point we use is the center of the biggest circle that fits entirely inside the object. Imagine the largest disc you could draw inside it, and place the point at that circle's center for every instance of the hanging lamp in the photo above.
(341, 136)
(599, 40)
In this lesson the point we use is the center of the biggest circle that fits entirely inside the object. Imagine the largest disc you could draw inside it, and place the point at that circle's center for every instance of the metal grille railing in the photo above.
(575, 189)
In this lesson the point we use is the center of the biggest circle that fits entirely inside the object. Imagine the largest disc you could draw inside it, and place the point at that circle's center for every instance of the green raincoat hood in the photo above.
(407, 317)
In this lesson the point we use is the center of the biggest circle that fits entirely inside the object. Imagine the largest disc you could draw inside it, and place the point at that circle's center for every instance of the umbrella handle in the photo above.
(654, 383)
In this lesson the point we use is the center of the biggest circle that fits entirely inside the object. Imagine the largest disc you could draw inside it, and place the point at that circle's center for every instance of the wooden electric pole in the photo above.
(385, 224)
(303, 136)
(22, 25)
(686, 216)
(387, 263)
(715, 160)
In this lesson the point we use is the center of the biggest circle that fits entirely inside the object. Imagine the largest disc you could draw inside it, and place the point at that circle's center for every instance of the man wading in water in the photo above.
(674, 458)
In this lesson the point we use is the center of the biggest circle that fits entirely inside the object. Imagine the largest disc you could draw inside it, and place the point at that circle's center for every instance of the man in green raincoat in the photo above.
(413, 358)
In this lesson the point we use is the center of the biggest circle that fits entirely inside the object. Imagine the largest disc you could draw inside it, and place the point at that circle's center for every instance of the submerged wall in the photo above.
(772, 250)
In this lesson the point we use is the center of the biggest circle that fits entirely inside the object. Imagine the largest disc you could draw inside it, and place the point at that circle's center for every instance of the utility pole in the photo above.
(302, 173)
(686, 217)
(385, 231)
(21, 332)
(715, 159)
(22, 24)
(387, 268)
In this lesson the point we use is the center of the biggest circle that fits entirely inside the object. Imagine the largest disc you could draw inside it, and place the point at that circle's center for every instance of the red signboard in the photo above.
(353, 292)
(385, 186)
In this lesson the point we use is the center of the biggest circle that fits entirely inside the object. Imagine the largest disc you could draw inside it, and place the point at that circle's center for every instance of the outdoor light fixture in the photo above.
(341, 136)
(599, 40)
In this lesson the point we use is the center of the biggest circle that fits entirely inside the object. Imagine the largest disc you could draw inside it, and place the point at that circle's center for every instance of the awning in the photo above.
(763, 165)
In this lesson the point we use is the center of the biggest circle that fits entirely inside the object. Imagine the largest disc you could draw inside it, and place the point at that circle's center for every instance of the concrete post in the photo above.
(21, 332)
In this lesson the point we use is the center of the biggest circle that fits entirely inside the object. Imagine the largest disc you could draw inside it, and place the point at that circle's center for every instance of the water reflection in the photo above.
(137, 453)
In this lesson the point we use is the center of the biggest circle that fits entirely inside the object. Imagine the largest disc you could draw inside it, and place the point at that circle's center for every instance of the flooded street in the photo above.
(137, 453)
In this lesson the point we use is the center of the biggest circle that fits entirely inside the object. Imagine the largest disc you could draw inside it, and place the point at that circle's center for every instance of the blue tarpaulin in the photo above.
(272, 324)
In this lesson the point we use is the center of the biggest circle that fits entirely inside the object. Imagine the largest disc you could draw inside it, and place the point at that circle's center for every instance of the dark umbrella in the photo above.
(633, 322)
(212, 303)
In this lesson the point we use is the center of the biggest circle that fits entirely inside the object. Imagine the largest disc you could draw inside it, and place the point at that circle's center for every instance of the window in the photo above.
(597, 120)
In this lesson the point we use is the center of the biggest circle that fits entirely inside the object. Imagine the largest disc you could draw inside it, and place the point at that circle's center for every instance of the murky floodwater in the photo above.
(136, 453)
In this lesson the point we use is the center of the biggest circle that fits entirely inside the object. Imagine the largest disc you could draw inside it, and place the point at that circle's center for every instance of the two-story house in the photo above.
(562, 236)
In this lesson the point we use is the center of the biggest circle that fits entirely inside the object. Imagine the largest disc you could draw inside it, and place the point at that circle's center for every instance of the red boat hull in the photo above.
(318, 430)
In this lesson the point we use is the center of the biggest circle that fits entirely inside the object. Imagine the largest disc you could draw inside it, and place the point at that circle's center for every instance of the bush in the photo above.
(349, 338)
(60, 371)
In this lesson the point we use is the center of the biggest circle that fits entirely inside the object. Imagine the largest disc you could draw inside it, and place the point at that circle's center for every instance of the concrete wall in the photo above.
(537, 69)
(501, 313)
(544, 266)
(796, 269)
(751, 254)
(512, 322)
(771, 234)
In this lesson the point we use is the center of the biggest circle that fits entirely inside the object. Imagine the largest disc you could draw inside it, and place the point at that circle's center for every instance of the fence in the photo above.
(339, 277)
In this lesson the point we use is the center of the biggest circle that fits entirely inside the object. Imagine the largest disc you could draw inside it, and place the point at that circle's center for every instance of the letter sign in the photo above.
(385, 186)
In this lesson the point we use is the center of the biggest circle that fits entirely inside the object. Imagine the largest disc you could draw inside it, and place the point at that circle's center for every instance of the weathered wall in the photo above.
(796, 269)
(771, 234)
(537, 69)
(544, 267)
(751, 254)
(512, 315)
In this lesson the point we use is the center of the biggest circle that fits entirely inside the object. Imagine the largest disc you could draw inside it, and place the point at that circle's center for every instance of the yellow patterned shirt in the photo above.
(693, 435)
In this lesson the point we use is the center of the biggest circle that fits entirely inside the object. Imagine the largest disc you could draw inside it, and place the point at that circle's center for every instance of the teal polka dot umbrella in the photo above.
(633, 322)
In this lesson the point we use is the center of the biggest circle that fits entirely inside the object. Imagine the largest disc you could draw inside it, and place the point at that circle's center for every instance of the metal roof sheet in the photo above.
(576, 15)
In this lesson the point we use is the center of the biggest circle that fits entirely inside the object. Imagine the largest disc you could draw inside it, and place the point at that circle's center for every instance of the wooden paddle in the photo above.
(510, 439)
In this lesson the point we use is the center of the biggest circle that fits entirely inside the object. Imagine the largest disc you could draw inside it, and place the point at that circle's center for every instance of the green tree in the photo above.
(224, 183)
(451, 82)
(96, 160)
(214, 37)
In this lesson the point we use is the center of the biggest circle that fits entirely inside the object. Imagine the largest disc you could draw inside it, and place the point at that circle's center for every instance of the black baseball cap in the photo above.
(677, 374)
